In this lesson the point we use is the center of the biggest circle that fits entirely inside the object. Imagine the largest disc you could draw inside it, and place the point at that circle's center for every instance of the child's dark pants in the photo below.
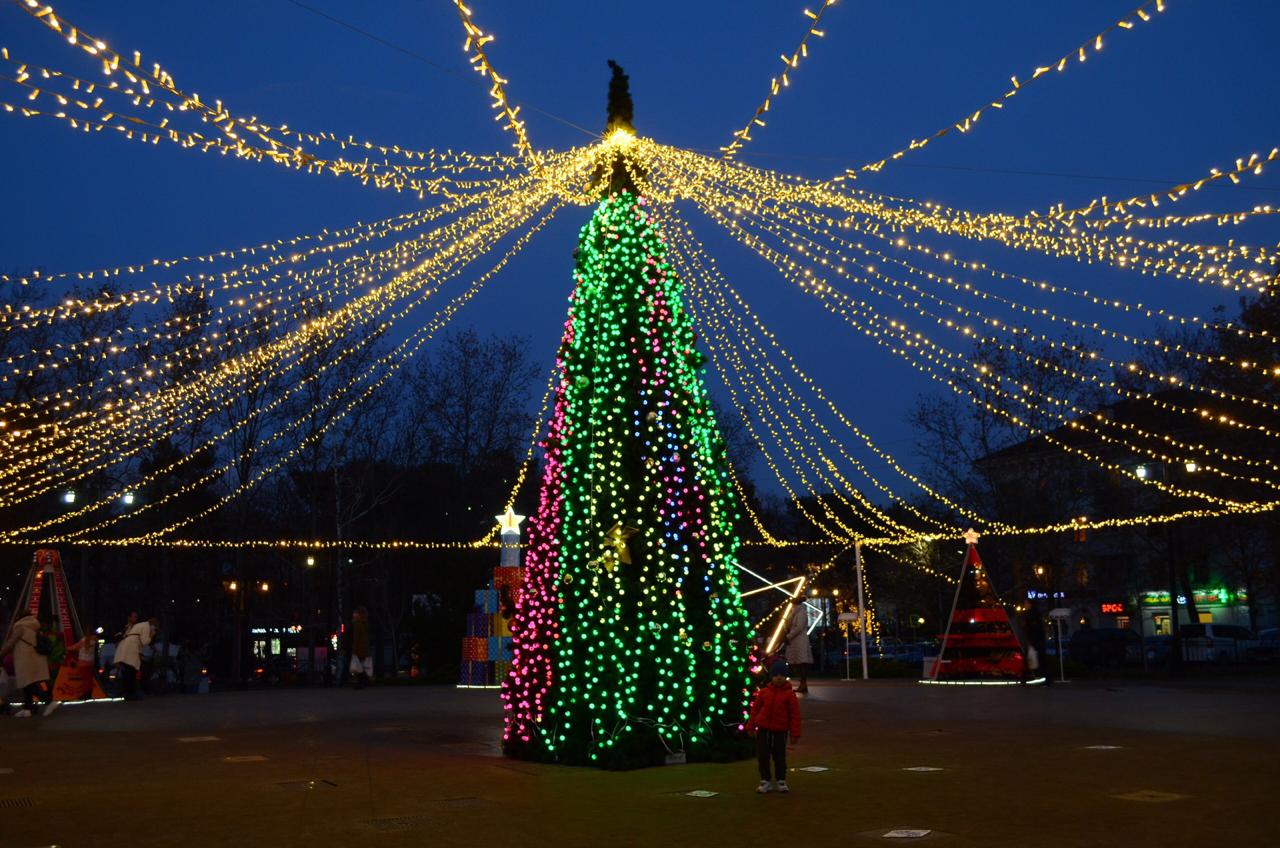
(772, 744)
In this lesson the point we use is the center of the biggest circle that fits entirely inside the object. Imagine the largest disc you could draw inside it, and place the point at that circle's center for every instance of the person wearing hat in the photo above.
(775, 714)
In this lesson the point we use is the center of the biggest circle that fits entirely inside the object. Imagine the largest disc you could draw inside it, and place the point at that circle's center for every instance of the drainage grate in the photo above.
(16, 803)
(401, 822)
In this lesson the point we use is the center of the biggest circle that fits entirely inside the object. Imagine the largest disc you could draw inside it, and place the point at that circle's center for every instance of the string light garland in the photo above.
(913, 344)
(588, 689)
(964, 124)
(691, 174)
(776, 84)
(474, 47)
(743, 332)
(762, 369)
(383, 368)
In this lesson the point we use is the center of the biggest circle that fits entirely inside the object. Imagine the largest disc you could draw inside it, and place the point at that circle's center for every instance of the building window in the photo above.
(1161, 623)
(1082, 576)
(1205, 617)
(1122, 622)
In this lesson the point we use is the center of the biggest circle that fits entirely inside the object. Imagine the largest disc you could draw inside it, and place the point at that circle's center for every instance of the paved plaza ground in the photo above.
(1195, 764)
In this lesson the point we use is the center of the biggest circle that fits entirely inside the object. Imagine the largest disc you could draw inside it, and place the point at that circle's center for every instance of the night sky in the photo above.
(1161, 104)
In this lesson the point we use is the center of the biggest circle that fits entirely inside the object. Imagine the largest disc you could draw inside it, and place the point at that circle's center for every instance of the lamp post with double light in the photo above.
(1144, 472)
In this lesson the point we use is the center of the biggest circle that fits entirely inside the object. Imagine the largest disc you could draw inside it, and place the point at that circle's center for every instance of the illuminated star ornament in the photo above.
(971, 537)
(509, 522)
(616, 542)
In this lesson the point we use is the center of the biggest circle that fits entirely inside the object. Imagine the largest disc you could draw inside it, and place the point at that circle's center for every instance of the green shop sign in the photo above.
(1204, 597)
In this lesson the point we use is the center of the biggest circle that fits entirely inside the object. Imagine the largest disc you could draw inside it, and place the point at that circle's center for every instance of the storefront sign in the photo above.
(1204, 597)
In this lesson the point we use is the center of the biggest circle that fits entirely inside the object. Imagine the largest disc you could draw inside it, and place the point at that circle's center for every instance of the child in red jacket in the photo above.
(775, 712)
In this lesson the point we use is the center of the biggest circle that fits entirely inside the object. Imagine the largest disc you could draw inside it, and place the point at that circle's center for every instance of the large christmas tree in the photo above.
(631, 641)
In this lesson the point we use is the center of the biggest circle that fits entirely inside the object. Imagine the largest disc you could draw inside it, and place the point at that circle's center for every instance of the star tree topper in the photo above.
(971, 536)
(509, 522)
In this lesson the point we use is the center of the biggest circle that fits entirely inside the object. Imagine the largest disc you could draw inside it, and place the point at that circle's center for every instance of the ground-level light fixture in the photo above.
(128, 498)
(69, 496)
(265, 587)
(311, 561)
(1192, 466)
(1142, 472)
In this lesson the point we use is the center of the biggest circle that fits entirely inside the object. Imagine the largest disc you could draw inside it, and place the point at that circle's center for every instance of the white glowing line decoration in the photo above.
(782, 618)
(777, 586)
(982, 682)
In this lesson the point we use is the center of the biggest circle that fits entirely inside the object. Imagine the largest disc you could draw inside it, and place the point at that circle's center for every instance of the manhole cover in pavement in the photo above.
(702, 793)
(1151, 796)
(16, 803)
(247, 758)
(198, 739)
(1103, 747)
(812, 768)
(307, 784)
(401, 822)
(922, 768)
(906, 833)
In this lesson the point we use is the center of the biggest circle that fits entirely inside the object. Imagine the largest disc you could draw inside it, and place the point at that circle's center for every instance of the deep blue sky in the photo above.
(1166, 101)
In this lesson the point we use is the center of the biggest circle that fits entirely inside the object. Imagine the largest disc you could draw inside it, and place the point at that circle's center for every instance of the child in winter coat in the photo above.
(775, 713)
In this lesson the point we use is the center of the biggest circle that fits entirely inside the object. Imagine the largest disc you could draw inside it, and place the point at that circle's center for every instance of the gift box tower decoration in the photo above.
(631, 640)
(486, 649)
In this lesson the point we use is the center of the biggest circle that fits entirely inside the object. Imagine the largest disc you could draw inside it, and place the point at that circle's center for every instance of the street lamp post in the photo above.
(1175, 640)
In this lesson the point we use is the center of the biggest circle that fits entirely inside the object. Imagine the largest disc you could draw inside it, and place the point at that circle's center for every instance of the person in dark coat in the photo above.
(1033, 628)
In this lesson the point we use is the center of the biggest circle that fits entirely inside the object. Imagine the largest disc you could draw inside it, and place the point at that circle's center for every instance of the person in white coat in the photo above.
(128, 656)
(30, 667)
(799, 655)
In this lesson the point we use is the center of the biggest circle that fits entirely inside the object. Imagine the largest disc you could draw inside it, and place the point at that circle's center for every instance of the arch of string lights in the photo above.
(269, 307)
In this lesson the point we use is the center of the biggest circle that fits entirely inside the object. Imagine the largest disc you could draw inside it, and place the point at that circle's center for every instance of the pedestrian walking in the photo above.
(128, 657)
(361, 659)
(30, 651)
(799, 654)
(775, 715)
(1033, 628)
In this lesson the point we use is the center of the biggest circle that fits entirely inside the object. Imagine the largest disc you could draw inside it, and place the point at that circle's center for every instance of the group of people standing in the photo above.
(34, 657)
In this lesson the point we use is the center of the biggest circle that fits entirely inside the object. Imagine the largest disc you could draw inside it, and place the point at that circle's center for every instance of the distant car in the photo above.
(1218, 643)
(1212, 643)
(1105, 647)
(1268, 644)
